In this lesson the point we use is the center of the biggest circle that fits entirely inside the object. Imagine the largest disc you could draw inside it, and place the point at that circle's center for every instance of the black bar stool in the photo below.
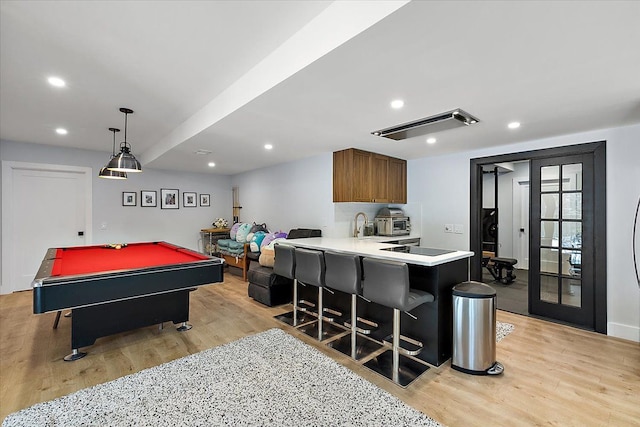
(285, 265)
(387, 283)
(344, 273)
(310, 270)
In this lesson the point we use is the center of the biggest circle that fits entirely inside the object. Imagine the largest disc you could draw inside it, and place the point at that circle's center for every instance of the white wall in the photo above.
(300, 194)
(623, 190)
(290, 195)
(129, 224)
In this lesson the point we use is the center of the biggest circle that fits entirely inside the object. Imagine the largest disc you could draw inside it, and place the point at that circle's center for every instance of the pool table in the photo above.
(113, 290)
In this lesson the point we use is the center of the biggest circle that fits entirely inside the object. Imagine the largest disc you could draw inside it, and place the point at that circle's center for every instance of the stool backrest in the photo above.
(285, 261)
(386, 282)
(310, 267)
(343, 272)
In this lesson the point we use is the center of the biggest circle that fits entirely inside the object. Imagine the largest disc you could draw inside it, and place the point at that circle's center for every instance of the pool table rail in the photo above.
(53, 293)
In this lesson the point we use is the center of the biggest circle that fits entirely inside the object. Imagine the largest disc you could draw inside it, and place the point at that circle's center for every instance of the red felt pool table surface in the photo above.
(95, 259)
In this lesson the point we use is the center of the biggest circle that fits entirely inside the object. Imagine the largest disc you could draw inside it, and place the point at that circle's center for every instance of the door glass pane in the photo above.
(572, 177)
(574, 259)
(548, 260)
(549, 205)
(567, 257)
(549, 176)
(572, 292)
(571, 234)
(572, 206)
(549, 233)
(549, 289)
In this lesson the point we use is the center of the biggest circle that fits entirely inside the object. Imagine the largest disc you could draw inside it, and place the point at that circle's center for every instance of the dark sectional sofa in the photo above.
(267, 287)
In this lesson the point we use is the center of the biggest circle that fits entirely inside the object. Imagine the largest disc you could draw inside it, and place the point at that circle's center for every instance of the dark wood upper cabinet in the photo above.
(362, 176)
(397, 182)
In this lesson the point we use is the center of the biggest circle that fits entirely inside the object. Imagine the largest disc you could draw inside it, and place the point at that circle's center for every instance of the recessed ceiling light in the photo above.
(513, 125)
(398, 103)
(431, 140)
(61, 131)
(211, 164)
(56, 81)
(268, 146)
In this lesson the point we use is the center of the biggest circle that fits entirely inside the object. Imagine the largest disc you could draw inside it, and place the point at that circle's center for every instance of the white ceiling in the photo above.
(311, 77)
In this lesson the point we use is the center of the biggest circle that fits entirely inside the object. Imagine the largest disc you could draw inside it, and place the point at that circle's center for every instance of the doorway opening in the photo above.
(505, 237)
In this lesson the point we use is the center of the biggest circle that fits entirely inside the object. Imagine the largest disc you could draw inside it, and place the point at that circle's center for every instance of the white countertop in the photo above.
(372, 248)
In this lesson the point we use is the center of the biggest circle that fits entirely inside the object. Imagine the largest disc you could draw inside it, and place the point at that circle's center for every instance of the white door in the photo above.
(521, 224)
(44, 206)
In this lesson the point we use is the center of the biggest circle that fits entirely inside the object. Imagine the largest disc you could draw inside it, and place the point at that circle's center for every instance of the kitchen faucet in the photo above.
(355, 225)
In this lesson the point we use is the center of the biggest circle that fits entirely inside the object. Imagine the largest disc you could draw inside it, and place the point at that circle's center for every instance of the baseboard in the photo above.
(626, 332)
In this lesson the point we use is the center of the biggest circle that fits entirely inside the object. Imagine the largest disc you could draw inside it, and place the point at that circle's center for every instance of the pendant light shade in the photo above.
(107, 173)
(125, 161)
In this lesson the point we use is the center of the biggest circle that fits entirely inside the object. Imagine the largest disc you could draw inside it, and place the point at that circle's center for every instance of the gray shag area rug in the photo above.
(502, 330)
(268, 379)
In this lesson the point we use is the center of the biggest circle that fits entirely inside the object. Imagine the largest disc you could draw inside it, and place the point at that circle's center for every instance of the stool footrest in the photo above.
(308, 304)
(331, 315)
(307, 307)
(363, 326)
(408, 346)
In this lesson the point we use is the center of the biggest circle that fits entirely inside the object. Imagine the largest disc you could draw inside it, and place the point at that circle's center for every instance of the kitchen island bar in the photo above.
(435, 274)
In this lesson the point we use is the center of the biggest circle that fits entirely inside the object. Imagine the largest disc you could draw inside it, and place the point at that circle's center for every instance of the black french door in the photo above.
(567, 231)
(561, 244)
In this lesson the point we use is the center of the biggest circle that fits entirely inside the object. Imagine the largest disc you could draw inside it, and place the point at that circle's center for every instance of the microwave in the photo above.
(393, 226)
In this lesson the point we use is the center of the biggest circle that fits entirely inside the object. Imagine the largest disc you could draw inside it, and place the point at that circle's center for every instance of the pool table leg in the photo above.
(184, 327)
(55, 323)
(75, 355)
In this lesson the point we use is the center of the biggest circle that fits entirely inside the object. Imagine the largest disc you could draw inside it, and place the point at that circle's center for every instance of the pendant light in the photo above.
(107, 173)
(125, 161)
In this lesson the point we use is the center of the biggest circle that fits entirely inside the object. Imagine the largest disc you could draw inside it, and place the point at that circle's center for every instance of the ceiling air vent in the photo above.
(429, 125)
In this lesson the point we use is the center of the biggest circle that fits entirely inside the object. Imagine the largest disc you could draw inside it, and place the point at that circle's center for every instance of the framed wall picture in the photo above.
(148, 199)
(129, 198)
(169, 198)
(189, 200)
(205, 200)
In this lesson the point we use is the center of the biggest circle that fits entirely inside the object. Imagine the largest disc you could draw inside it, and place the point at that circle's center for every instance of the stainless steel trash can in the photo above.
(474, 329)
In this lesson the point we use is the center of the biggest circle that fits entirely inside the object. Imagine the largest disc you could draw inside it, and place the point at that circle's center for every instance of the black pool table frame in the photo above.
(111, 302)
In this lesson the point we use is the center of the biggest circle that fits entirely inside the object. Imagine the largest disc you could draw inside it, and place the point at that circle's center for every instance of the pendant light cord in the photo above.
(124, 144)
(125, 128)
(113, 149)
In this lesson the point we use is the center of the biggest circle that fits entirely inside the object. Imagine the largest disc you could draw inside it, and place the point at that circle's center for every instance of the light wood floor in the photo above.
(554, 375)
